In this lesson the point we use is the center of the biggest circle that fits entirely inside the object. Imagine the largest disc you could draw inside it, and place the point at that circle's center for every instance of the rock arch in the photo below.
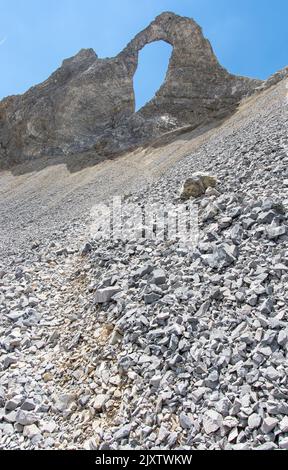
(196, 88)
(88, 103)
(192, 57)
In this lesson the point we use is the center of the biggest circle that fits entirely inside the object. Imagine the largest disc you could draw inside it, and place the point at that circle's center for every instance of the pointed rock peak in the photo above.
(84, 55)
(170, 16)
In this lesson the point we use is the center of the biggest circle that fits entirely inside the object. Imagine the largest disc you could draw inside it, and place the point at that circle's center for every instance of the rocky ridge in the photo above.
(89, 103)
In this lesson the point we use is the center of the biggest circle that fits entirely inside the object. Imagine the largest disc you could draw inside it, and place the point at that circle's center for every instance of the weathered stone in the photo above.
(275, 232)
(87, 248)
(10, 417)
(266, 446)
(8, 361)
(223, 255)
(48, 427)
(64, 401)
(230, 422)
(236, 234)
(269, 424)
(89, 102)
(7, 429)
(105, 295)
(210, 212)
(15, 316)
(151, 298)
(26, 418)
(198, 394)
(185, 421)
(156, 380)
(283, 425)
(14, 403)
(266, 217)
(31, 431)
(123, 432)
(283, 443)
(28, 405)
(267, 306)
(143, 271)
(116, 337)
(159, 277)
(233, 435)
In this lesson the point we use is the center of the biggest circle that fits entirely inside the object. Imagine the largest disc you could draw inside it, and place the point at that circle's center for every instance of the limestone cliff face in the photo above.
(89, 102)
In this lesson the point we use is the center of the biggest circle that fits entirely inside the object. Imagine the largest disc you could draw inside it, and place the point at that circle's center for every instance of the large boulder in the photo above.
(196, 185)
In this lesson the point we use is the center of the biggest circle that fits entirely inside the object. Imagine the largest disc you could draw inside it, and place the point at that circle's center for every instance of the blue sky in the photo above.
(250, 37)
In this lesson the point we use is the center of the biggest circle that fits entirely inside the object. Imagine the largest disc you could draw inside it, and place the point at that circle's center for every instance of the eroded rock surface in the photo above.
(89, 102)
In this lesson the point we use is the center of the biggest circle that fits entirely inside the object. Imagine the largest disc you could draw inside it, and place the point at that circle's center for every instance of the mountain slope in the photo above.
(193, 356)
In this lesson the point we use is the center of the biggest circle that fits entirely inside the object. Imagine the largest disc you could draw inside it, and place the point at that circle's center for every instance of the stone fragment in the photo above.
(143, 271)
(230, 422)
(223, 256)
(10, 417)
(116, 337)
(283, 338)
(7, 429)
(266, 217)
(196, 185)
(236, 234)
(283, 425)
(8, 361)
(271, 373)
(25, 418)
(122, 433)
(254, 421)
(151, 298)
(103, 296)
(267, 307)
(64, 401)
(14, 402)
(269, 424)
(185, 421)
(30, 431)
(283, 443)
(233, 435)
(212, 421)
(275, 232)
(99, 402)
(87, 248)
(28, 405)
(48, 427)
(159, 277)
(267, 446)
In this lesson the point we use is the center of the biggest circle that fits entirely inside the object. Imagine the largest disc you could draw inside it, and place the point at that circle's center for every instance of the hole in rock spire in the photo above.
(151, 71)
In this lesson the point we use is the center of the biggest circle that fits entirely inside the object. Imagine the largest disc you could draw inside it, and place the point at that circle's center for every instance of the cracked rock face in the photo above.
(89, 103)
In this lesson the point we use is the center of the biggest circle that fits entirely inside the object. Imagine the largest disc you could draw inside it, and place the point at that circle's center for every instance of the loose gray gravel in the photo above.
(141, 344)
